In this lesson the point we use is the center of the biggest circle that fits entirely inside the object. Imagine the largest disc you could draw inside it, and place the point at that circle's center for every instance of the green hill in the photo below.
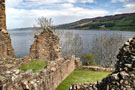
(114, 22)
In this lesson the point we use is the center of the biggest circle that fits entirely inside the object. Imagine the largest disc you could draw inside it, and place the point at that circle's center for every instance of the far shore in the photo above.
(30, 28)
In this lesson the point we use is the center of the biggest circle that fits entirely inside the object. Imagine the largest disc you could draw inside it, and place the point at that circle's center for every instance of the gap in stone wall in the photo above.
(21, 41)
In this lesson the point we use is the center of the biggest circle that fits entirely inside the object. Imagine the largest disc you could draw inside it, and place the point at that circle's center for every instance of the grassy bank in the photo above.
(35, 66)
(82, 76)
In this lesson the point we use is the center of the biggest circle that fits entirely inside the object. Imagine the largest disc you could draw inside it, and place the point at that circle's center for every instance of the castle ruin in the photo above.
(46, 47)
(6, 49)
(2, 15)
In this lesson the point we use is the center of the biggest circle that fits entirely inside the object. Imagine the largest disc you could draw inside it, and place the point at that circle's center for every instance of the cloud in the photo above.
(17, 18)
(67, 5)
(13, 3)
(85, 1)
(22, 13)
(41, 2)
(114, 1)
(128, 8)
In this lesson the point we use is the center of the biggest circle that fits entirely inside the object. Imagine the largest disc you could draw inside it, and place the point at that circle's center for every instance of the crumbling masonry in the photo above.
(6, 49)
(45, 47)
(2, 15)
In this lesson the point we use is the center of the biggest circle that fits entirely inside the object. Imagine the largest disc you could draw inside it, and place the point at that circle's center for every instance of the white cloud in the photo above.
(67, 5)
(12, 3)
(39, 2)
(128, 8)
(71, 1)
(122, 0)
(27, 3)
(17, 18)
(84, 1)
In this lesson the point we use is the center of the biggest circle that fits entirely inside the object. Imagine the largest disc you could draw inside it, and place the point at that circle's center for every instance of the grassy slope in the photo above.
(116, 22)
(81, 76)
(34, 65)
(119, 24)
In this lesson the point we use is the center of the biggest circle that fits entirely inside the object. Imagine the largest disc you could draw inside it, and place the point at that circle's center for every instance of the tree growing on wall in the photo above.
(43, 23)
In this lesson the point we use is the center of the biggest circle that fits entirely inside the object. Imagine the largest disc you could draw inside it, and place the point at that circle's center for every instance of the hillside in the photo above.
(27, 28)
(114, 22)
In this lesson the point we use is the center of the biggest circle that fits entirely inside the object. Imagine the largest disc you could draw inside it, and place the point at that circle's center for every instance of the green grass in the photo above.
(82, 76)
(116, 23)
(35, 66)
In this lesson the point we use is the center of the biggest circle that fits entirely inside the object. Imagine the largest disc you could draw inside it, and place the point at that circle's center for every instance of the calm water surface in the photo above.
(22, 39)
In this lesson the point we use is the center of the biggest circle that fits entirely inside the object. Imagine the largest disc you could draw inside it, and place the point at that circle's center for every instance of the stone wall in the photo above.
(46, 79)
(6, 48)
(96, 68)
(2, 15)
(45, 47)
(123, 78)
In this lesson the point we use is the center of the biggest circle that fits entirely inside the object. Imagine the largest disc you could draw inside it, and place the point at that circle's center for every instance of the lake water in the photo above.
(22, 39)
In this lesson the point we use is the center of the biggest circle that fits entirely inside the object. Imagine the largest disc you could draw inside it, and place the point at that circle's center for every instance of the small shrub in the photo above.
(89, 58)
(34, 65)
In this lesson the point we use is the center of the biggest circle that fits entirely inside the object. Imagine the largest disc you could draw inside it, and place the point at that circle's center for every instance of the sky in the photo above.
(23, 13)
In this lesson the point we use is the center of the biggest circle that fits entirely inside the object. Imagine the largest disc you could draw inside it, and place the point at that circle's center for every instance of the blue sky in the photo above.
(23, 13)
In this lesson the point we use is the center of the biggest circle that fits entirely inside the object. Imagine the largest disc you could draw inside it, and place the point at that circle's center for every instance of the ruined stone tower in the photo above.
(2, 15)
(6, 48)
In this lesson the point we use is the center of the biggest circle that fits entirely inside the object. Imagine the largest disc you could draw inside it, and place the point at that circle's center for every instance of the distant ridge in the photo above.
(27, 28)
(113, 22)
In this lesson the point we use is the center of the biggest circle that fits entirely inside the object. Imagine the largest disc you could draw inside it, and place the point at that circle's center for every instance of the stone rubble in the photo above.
(96, 68)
